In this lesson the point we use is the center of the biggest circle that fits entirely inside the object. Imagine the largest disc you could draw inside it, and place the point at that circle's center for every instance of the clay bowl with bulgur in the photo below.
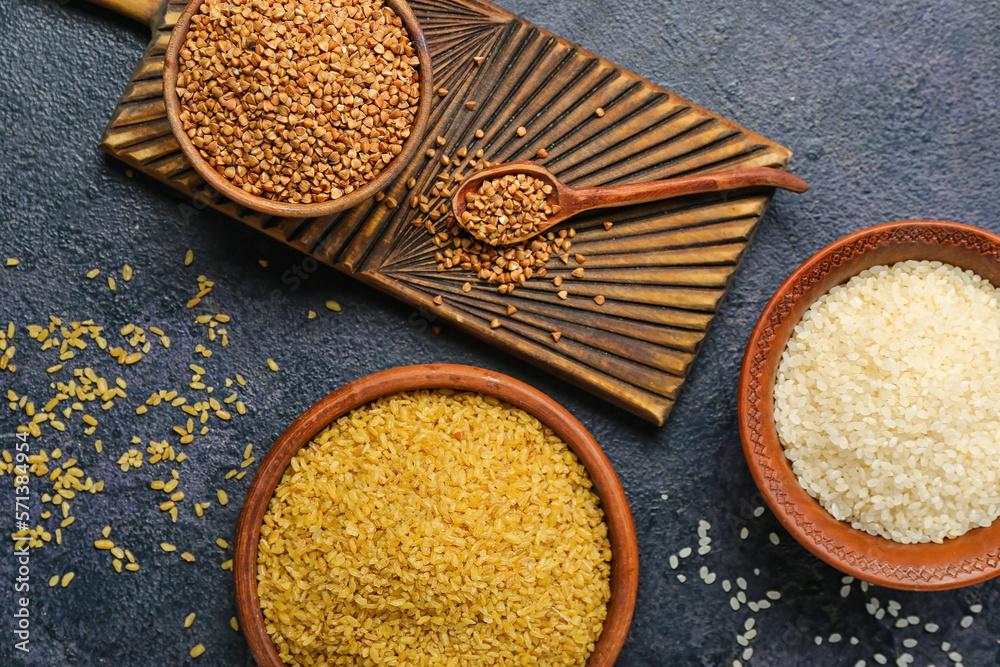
(298, 108)
(436, 514)
(867, 404)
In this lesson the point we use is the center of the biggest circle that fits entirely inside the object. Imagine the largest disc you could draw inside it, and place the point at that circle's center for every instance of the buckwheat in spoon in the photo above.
(513, 202)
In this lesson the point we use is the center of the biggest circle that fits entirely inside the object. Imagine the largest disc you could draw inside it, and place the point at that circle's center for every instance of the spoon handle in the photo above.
(143, 11)
(639, 193)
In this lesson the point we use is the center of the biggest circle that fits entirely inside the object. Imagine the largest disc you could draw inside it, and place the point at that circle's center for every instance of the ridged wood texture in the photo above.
(663, 268)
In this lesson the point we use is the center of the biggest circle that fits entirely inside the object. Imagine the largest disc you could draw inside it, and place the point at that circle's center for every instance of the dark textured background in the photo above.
(891, 109)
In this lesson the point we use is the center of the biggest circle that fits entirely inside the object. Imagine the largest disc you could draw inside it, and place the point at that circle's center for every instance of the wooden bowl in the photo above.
(965, 560)
(288, 209)
(618, 516)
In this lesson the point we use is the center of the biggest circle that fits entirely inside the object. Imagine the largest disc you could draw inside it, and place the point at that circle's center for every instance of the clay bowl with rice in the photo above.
(302, 112)
(436, 511)
(868, 405)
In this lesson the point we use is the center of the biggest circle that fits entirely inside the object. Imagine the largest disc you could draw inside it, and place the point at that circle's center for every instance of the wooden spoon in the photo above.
(573, 200)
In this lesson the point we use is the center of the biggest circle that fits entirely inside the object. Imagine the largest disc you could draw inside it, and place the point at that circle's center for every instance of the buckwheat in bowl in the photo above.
(868, 404)
(297, 108)
(438, 513)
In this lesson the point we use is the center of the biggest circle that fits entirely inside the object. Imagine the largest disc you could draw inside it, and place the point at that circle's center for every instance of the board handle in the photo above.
(143, 11)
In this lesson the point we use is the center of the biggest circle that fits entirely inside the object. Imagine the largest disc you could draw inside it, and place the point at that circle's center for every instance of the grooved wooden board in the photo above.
(663, 268)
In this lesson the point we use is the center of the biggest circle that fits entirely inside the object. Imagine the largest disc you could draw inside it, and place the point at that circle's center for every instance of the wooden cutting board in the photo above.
(662, 268)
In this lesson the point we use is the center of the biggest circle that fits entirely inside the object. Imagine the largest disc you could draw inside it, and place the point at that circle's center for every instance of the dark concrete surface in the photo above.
(892, 111)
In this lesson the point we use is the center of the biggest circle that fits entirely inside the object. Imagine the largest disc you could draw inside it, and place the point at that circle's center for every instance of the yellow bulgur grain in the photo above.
(189, 620)
(442, 523)
(272, 365)
(223, 498)
(197, 650)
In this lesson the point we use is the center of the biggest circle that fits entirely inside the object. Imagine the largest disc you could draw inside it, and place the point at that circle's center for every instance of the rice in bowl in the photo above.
(434, 528)
(887, 401)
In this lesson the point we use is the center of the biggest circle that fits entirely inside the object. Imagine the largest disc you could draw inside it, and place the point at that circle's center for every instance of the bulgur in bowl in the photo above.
(833, 405)
(435, 512)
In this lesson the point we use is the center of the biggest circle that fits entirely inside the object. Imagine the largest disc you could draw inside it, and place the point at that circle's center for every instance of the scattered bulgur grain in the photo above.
(188, 257)
(93, 273)
(223, 498)
(197, 650)
(68, 577)
(166, 546)
(126, 273)
(11, 261)
(272, 365)
(189, 620)
(234, 624)
(333, 305)
(111, 283)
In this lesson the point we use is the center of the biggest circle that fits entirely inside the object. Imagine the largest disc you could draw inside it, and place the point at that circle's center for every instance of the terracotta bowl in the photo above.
(288, 209)
(621, 530)
(969, 559)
